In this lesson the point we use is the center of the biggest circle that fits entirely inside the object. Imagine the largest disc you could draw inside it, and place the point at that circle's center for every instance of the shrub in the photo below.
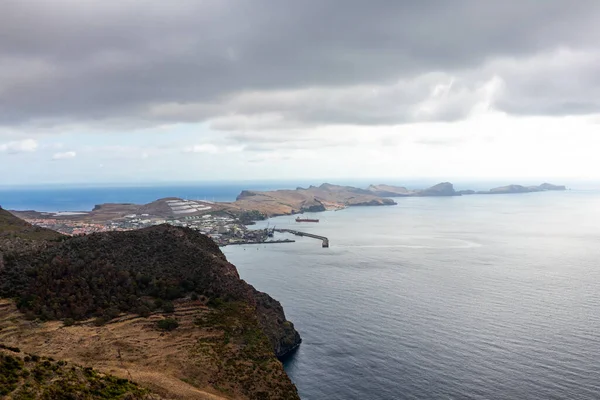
(167, 324)
(158, 303)
(168, 307)
(144, 311)
(68, 322)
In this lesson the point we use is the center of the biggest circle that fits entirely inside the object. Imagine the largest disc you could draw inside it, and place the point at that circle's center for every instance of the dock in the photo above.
(323, 239)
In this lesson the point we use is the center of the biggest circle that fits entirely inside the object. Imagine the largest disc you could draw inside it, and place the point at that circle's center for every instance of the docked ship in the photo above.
(298, 219)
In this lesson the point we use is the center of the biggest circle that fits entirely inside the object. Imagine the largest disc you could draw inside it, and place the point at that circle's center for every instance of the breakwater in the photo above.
(323, 239)
(241, 242)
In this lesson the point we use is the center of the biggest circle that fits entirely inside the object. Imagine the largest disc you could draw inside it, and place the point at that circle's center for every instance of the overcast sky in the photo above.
(132, 90)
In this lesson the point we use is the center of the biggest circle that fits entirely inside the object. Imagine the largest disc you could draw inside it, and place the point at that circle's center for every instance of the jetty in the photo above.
(323, 239)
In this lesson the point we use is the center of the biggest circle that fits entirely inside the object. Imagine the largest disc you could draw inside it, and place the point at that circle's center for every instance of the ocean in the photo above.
(472, 297)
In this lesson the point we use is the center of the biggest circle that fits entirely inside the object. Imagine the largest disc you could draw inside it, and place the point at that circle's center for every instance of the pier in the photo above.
(324, 240)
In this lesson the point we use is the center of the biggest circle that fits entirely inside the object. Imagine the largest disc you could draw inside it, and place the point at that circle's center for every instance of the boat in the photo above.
(298, 219)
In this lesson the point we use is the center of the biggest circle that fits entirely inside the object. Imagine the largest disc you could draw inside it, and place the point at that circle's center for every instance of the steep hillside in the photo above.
(104, 277)
(16, 234)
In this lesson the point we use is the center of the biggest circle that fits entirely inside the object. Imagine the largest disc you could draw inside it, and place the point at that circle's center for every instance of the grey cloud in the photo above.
(96, 61)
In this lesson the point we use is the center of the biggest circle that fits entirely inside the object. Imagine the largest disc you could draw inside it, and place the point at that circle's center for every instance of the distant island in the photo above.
(447, 189)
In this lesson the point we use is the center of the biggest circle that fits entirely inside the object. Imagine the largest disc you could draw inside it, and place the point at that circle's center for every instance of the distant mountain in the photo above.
(441, 189)
(312, 199)
(447, 189)
(509, 189)
(389, 190)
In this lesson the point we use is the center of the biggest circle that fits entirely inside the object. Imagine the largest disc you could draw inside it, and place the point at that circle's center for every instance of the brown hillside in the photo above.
(160, 305)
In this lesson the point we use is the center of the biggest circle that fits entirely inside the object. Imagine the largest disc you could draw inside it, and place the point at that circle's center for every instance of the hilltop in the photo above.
(311, 199)
(13, 227)
(18, 235)
(115, 285)
(441, 189)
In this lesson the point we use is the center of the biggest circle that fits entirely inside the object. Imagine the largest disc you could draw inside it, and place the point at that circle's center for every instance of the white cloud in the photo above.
(21, 146)
(209, 148)
(64, 156)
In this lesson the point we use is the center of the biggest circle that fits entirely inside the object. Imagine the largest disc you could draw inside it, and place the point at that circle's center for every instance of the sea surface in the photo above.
(76, 198)
(473, 297)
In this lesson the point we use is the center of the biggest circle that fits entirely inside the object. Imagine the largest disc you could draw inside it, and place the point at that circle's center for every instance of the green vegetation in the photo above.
(18, 235)
(103, 275)
(39, 378)
(241, 353)
(167, 324)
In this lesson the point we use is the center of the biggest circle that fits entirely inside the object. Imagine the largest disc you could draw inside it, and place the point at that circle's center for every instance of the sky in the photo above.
(209, 90)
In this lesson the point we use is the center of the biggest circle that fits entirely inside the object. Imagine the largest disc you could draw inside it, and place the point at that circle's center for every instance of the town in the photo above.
(221, 227)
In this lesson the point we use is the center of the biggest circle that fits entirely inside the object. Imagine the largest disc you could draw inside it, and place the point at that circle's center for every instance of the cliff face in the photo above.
(104, 275)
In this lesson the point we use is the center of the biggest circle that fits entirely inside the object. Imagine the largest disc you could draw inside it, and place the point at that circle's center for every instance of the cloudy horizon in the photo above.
(142, 91)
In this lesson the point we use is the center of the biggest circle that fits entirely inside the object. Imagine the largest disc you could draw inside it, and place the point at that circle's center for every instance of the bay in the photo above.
(472, 297)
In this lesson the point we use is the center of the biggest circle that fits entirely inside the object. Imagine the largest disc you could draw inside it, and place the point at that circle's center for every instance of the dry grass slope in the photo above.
(215, 353)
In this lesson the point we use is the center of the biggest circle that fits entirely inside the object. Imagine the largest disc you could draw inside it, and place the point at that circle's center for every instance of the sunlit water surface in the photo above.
(473, 297)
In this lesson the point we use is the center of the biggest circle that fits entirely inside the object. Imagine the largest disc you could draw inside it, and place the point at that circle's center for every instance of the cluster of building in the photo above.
(223, 229)
(69, 227)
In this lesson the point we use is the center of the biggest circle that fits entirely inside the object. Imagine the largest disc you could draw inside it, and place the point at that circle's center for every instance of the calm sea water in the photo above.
(475, 297)
(64, 198)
